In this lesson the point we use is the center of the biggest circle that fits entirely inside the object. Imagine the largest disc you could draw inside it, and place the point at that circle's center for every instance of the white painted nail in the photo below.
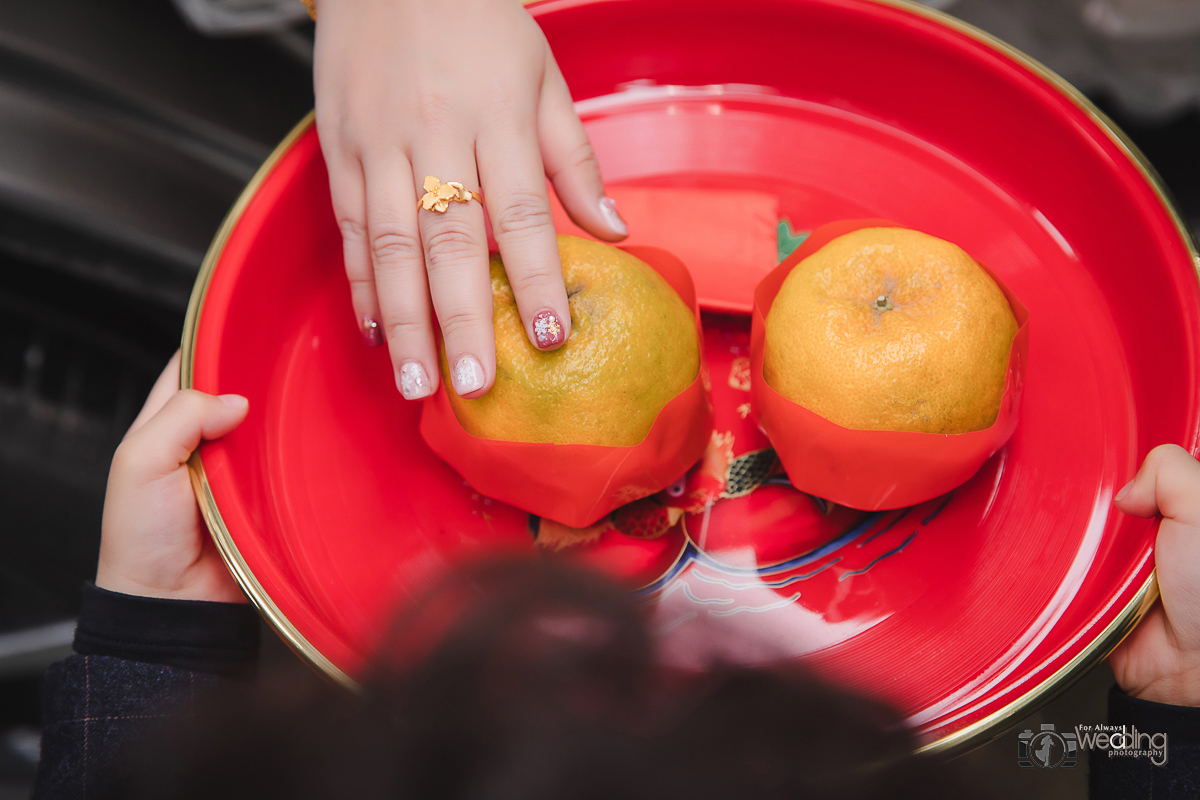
(608, 207)
(468, 375)
(413, 381)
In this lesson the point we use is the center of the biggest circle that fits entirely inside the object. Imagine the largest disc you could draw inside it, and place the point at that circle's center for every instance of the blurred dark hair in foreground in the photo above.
(530, 680)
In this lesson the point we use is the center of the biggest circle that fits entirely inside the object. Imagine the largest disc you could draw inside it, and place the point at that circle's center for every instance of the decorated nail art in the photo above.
(548, 330)
(608, 207)
(372, 333)
(413, 381)
(468, 375)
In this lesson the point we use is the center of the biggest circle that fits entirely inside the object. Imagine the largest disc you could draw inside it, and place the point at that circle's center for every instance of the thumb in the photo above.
(168, 438)
(1168, 483)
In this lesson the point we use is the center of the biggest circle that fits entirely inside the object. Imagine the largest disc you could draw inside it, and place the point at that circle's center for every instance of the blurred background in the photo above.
(128, 128)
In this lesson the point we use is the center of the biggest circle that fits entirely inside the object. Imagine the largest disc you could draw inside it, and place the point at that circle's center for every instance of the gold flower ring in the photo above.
(438, 195)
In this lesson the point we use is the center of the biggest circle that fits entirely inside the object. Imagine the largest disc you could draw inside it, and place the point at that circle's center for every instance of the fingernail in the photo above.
(1124, 491)
(372, 334)
(468, 375)
(234, 400)
(413, 381)
(548, 330)
(608, 208)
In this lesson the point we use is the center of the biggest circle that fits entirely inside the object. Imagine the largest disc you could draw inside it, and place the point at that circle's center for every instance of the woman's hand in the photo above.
(1160, 660)
(153, 542)
(467, 91)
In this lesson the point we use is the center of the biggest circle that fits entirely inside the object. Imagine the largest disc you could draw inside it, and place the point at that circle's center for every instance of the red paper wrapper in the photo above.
(872, 470)
(577, 484)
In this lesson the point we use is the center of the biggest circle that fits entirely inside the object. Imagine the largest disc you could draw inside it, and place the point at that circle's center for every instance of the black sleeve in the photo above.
(192, 634)
(140, 661)
(1119, 777)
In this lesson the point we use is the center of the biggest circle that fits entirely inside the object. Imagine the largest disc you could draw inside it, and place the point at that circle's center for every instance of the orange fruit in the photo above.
(633, 347)
(891, 329)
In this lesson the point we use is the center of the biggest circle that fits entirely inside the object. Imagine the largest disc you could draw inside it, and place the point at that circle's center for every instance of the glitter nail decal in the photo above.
(413, 381)
(372, 333)
(468, 375)
(548, 331)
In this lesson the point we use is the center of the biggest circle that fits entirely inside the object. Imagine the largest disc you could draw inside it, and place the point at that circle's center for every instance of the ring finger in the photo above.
(400, 273)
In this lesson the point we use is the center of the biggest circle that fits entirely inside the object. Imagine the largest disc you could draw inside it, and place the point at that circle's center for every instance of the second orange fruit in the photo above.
(891, 329)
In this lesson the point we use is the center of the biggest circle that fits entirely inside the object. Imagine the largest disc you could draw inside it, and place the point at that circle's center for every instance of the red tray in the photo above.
(967, 611)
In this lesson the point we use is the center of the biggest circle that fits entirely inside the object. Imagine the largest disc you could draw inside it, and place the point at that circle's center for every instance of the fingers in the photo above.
(167, 439)
(570, 162)
(164, 388)
(399, 268)
(456, 264)
(348, 192)
(1168, 483)
(510, 167)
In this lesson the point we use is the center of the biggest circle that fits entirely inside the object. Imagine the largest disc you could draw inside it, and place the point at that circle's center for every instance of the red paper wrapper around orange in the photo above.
(577, 484)
(872, 470)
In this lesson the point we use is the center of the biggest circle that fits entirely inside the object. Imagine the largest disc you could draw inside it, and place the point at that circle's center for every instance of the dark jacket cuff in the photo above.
(1181, 723)
(1121, 776)
(190, 634)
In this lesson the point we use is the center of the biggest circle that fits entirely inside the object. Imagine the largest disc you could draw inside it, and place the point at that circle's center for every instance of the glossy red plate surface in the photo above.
(965, 611)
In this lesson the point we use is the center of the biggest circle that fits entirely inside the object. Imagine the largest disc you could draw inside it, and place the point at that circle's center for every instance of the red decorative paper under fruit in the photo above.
(868, 469)
(577, 484)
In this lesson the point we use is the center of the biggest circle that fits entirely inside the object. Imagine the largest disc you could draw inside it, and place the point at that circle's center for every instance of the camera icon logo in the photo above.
(1047, 748)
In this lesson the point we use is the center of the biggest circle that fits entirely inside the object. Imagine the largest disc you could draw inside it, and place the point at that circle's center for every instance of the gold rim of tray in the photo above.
(245, 577)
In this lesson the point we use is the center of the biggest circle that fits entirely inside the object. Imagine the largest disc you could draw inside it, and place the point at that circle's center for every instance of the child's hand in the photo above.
(1160, 660)
(153, 541)
(466, 91)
